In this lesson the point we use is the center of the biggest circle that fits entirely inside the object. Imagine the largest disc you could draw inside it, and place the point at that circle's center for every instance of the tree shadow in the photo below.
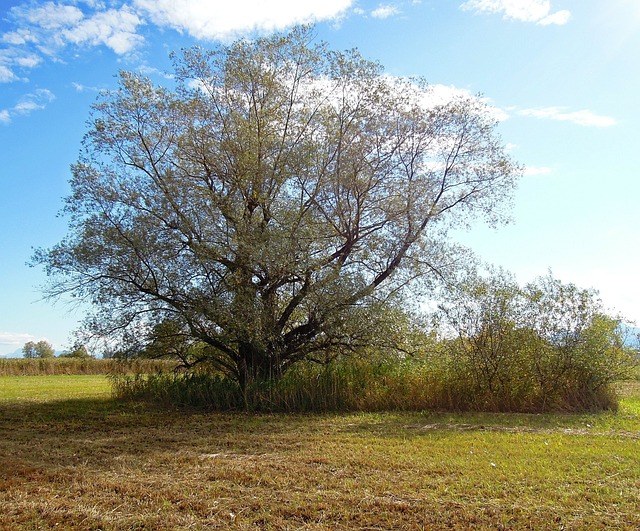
(99, 433)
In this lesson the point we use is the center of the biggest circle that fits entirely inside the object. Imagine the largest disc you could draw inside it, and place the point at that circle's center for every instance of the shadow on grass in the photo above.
(99, 430)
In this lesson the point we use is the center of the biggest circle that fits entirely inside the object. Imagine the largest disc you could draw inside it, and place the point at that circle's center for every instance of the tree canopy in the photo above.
(271, 202)
(41, 349)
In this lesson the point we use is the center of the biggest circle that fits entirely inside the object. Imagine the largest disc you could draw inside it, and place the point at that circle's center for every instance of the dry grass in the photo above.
(98, 464)
(73, 366)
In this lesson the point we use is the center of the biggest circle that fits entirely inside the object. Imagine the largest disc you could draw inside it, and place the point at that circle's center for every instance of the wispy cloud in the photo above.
(148, 70)
(6, 74)
(583, 117)
(384, 11)
(34, 101)
(14, 340)
(559, 18)
(15, 58)
(536, 11)
(48, 16)
(537, 170)
(79, 87)
(442, 94)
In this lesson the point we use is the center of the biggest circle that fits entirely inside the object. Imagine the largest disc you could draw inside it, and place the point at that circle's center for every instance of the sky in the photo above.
(562, 75)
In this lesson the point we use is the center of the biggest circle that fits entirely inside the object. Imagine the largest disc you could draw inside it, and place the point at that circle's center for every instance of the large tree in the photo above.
(271, 201)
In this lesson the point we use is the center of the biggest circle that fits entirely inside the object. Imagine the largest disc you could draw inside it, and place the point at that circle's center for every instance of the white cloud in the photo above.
(14, 58)
(18, 37)
(114, 28)
(79, 87)
(28, 60)
(384, 11)
(95, 4)
(49, 16)
(6, 75)
(34, 101)
(51, 27)
(14, 340)
(537, 170)
(47, 28)
(584, 117)
(538, 11)
(148, 70)
(11, 343)
(443, 94)
(209, 20)
(559, 18)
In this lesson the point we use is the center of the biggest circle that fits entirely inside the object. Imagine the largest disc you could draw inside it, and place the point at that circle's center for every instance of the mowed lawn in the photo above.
(47, 388)
(72, 458)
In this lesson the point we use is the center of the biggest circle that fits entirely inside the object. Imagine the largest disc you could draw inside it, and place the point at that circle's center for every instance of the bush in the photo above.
(547, 346)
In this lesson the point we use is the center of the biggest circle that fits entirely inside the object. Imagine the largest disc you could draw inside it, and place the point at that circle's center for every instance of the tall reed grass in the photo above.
(355, 385)
(86, 366)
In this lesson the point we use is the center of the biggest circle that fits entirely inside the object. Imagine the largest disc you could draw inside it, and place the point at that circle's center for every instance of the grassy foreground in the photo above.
(22, 389)
(93, 463)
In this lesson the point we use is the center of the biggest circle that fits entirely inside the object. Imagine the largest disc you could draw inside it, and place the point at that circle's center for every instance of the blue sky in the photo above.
(563, 76)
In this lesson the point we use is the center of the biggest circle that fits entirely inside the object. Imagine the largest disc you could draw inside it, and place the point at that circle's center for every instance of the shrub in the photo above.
(547, 346)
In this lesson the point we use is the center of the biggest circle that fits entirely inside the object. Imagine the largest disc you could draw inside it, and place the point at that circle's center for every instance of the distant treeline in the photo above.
(55, 366)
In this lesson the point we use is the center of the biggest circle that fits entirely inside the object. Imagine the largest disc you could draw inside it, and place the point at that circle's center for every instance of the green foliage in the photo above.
(545, 346)
(270, 205)
(42, 349)
(79, 351)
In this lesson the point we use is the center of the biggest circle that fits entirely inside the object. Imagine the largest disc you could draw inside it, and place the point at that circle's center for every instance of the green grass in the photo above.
(47, 388)
(95, 463)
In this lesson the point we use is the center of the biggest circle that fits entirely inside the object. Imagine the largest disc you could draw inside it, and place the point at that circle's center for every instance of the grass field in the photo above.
(47, 388)
(72, 458)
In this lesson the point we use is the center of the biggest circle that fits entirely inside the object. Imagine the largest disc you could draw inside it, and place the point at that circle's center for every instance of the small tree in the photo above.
(41, 349)
(79, 351)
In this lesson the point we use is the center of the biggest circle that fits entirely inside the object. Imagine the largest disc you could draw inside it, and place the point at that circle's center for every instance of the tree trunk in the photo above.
(256, 366)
